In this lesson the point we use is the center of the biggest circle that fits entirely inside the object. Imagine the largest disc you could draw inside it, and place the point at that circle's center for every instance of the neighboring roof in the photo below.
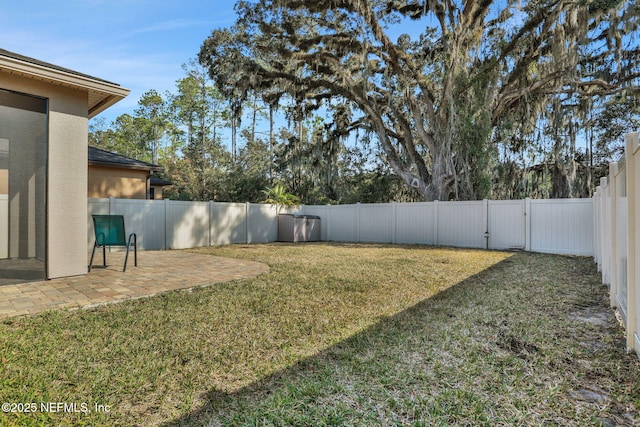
(159, 182)
(102, 93)
(98, 157)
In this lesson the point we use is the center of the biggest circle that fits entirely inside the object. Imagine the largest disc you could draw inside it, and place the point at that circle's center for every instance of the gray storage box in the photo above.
(298, 228)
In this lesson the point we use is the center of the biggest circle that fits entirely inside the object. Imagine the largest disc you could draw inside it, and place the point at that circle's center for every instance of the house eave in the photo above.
(102, 94)
(125, 166)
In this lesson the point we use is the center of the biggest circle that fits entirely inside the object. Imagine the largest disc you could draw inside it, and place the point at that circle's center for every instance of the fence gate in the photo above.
(506, 226)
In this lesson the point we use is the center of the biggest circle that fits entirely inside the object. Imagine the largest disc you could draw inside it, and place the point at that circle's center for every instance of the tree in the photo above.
(434, 100)
(618, 116)
(248, 176)
(278, 195)
(127, 135)
(233, 83)
(152, 121)
(199, 108)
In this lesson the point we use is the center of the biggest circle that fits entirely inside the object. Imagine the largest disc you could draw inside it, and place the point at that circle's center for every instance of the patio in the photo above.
(157, 272)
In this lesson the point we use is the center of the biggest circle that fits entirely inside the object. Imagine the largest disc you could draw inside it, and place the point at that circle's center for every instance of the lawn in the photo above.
(338, 334)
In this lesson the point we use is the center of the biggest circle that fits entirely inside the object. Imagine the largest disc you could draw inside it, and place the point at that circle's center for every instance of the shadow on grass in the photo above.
(450, 358)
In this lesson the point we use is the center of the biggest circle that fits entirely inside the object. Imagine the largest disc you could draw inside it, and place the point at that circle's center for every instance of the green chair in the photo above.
(109, 231)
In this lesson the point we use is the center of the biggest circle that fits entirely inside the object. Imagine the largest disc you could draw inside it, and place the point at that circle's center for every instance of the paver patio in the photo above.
(157, 272)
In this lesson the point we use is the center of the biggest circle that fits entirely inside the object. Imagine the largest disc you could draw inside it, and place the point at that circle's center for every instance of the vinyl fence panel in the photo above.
(146, 218)
(262, 223)
(562, 226)
(187, 224)
(228, 223)
(601, 226)
(375, 223)
(416, 223)
(621, 256)
(619, 245)
(462, 224)
(605, 231)
(343, 223)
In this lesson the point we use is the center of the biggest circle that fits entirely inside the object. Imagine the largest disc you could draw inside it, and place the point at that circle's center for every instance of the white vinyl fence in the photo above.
(563, 226)
(169, 224)
(617, 225)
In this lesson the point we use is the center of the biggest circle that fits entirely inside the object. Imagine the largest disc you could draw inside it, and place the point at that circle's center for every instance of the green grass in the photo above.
(345, 335)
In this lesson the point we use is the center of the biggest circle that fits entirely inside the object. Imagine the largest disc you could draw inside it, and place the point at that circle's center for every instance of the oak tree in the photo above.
(434, 98)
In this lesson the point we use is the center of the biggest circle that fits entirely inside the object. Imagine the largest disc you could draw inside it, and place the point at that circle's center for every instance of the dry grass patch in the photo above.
(339, 335)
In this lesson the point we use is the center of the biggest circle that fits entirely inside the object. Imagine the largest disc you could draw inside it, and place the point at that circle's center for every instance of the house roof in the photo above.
(159, 182)
(98, 157)
(102, 93)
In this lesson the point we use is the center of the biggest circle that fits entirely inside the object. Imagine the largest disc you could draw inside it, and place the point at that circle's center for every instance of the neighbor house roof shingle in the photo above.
(99, 157)
(159, 182)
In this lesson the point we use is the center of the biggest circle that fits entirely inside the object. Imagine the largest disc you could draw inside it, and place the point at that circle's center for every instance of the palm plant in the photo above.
(278, 195)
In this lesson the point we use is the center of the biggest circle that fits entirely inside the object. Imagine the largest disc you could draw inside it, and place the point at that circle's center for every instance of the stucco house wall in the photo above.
(72, 99)
(67, 199)
(115, 175)
(119, 183)
(157, 187)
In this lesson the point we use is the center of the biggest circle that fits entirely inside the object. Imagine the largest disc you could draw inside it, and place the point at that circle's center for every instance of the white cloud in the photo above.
(175, 24)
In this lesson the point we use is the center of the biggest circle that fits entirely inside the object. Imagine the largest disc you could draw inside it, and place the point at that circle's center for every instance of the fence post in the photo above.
(358, 222)
(485, 214)
(328, 225)
(435, 223)
(613, 199)
(166, 223)
(605, 231)
(247, 206)
(633, 177)
(394, 216)
(211, 207)
(597, 197)
(527, 224)
(605, 223)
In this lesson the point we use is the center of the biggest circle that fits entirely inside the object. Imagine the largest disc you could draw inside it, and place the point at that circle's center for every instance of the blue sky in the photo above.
(139, 44)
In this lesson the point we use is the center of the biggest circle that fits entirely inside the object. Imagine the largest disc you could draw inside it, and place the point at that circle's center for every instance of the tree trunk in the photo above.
(234, 121)
(271, 144)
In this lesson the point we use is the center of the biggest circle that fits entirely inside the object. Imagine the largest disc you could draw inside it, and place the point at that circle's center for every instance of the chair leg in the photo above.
(93, 252)
(126, 257)
(104, 256)
(135, 249)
